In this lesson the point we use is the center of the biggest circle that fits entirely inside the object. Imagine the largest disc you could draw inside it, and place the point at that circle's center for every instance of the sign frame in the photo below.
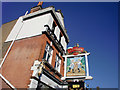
(86, 64)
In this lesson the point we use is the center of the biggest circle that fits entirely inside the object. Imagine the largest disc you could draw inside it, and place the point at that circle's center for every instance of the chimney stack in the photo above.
(36, 8)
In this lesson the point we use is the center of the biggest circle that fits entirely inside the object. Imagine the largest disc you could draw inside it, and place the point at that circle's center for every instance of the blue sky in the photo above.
(94, 26)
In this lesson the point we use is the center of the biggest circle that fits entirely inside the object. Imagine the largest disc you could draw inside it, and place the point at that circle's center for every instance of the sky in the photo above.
(93, 25)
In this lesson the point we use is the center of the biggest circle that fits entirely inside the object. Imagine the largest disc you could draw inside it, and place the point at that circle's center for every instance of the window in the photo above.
(48, 53)
(57, 63)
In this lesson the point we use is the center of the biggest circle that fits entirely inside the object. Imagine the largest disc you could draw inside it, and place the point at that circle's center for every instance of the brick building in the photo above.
(32, 57)
(35, 54)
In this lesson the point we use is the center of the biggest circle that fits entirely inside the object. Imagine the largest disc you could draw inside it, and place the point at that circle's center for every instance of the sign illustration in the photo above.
(75, 66)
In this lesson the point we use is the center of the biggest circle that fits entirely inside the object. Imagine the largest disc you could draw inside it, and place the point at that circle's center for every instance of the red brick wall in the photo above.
(17, 66)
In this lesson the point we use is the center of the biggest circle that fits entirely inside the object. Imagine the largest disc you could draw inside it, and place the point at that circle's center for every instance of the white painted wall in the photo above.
(60, 18)
(15, 30)
(65, 45)
(63, 42)
(46, 80)
(30, 27)
(49, 82)
(35, 26)
(33, 83)
(57, 32)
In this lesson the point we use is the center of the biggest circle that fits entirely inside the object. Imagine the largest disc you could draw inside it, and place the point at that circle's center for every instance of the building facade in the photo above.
(36, 45)
(35, 53)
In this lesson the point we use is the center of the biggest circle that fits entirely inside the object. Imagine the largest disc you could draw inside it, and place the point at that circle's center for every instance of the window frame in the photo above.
(57, 63)
(49, 52)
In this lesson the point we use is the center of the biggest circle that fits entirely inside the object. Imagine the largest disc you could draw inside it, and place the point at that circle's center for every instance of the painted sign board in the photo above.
(76, 66)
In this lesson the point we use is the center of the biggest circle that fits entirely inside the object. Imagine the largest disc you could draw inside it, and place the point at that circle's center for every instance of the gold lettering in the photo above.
(75, 86)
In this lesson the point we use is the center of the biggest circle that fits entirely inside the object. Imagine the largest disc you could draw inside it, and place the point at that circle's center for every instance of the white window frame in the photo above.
(49, 51)
(57, 63)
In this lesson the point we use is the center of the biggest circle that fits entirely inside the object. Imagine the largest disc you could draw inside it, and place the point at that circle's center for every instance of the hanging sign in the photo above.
(75, 66)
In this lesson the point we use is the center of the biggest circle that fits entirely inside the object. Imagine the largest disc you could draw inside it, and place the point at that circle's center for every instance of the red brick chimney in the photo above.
(36, 8)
